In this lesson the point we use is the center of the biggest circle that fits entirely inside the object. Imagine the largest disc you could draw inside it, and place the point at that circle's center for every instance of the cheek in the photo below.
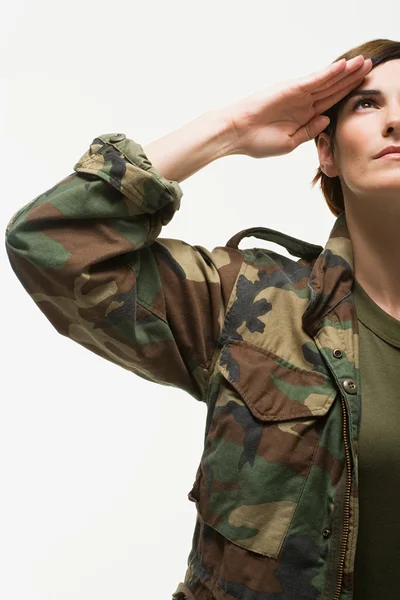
(353, 151)
(352, 160)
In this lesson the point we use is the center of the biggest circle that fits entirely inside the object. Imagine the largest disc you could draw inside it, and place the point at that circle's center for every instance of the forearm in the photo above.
(188, 149)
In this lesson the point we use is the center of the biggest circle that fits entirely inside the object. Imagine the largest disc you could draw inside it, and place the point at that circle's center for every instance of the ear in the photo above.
(326, 160)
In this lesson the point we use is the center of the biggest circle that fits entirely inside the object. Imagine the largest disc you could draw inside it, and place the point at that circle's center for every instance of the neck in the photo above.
(375, 236)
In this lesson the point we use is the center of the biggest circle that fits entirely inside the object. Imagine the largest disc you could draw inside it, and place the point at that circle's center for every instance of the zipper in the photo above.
(346, 506)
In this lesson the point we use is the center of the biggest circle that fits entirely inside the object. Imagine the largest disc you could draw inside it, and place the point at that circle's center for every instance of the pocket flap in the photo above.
(272, 388)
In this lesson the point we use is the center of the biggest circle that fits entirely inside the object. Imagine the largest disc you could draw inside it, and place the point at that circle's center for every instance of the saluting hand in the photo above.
(274, 121)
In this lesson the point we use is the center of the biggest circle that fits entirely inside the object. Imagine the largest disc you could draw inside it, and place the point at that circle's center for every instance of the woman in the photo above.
(270, 344)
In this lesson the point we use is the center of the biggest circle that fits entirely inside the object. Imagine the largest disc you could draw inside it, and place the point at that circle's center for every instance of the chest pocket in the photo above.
(261, 442)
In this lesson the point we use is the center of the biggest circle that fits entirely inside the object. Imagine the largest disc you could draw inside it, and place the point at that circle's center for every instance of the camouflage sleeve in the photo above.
(88, 253)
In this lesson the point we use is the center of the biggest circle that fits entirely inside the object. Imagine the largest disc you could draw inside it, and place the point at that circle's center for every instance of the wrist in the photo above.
(183, 152)
(226, 134)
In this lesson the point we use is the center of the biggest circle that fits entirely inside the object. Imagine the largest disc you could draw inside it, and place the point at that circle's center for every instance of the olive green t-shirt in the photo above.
(377, 568)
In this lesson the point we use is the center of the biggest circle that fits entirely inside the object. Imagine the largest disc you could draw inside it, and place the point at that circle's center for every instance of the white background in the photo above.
(95, 463)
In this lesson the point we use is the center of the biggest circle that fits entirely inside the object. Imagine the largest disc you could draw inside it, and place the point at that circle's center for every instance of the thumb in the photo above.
(310, 130)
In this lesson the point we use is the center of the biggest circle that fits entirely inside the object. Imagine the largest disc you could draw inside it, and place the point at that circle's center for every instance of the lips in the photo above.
(389, 150)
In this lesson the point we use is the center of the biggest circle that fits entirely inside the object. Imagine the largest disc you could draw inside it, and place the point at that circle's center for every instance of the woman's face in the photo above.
(365, 126)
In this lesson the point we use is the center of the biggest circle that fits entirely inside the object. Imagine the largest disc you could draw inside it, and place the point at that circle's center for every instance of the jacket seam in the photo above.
(303, 488)
(219, 343)
(224, 338)
(153, 311)
(159, 315)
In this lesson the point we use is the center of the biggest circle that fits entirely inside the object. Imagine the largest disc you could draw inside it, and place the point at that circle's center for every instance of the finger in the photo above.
(325, 103)
(319, 77)
(309, 131)
(350, 80)
(340, 68)
(352, 70)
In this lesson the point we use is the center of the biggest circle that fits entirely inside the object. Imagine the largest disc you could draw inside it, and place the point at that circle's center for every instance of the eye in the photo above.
(362, 101)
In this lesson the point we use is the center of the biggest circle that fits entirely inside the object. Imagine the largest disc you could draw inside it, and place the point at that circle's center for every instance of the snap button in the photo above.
(326, 533)
(118, 137)
(350, 386)
(337, 353)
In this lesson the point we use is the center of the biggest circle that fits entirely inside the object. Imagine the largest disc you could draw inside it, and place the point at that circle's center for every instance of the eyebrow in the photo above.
(363, 93)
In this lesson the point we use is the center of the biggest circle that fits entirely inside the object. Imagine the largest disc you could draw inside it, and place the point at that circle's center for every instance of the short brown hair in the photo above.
(379, 51)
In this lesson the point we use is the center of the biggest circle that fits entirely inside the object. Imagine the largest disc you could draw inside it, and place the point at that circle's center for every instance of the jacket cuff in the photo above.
(123, 163)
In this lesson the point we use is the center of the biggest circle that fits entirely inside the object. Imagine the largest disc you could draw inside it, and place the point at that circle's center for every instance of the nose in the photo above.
(392, 119)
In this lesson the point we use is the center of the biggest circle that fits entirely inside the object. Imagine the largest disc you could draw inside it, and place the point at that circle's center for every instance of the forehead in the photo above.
(386, 75)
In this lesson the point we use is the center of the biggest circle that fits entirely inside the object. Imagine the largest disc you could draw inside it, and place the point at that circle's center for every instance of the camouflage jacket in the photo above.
(269, 343)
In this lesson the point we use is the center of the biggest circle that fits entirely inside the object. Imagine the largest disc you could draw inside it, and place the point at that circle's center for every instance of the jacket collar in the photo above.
(331, 278)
